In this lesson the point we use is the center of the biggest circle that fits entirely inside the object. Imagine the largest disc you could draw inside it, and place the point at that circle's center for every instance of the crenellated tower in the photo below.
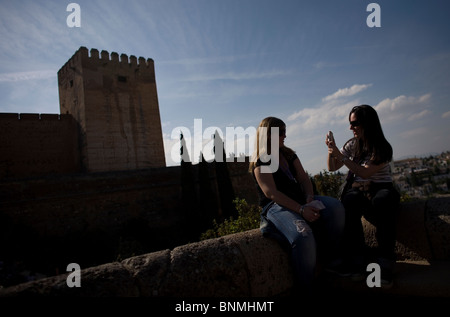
(115, 103)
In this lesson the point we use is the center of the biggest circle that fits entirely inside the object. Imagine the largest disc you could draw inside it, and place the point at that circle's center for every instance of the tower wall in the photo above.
(116, 105)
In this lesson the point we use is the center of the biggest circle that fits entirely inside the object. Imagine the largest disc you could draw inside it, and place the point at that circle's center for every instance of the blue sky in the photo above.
(233, 62)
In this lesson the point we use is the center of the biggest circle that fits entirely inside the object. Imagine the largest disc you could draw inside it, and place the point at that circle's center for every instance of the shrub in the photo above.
(248, 218)
(328, 184)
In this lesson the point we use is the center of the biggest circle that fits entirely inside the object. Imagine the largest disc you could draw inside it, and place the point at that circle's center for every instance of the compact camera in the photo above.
(330, 136)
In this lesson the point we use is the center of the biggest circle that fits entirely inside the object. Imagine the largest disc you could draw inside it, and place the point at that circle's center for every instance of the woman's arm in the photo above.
(304, 180)
(267, 185)
(332, 162)
(364, 171)
(336, 160)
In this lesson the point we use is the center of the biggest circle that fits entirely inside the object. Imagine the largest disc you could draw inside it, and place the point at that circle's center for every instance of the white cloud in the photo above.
(419, 115)
(332, 109)
(239, 76)
(425, 98)
(388, 104)
(207, 60)
(446, 115)
(403, 107)
(19, 76)
(346, 92)
(325, 114)
(414, 133)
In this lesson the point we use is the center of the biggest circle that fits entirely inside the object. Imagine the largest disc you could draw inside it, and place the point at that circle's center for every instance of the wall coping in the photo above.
(248, 265)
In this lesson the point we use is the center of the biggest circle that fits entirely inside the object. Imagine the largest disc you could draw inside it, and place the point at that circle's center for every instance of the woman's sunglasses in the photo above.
(355, 123)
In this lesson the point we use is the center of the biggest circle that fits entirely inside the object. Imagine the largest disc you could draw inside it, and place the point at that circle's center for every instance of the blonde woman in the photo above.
(291, 211)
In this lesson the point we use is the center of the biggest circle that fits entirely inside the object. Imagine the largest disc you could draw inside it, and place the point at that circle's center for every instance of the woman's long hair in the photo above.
(373, 140)
(263, 137)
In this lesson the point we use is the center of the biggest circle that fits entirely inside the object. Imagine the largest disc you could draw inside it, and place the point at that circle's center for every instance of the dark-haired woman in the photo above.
(290, 210)
(369, 190)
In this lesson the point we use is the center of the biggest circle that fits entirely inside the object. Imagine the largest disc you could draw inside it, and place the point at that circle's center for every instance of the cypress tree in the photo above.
(188, 192)
(224, 185)
(208, 199)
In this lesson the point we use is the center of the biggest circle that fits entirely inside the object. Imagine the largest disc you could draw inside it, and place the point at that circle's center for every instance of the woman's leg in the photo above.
(383, 214)
(354, 203)
(302, 241)
(330, 229)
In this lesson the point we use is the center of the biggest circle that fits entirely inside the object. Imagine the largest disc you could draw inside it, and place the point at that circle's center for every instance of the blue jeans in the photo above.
(303, 236)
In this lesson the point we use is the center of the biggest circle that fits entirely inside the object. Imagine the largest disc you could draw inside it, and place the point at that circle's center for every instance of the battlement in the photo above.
(92, 58)
(34, 116)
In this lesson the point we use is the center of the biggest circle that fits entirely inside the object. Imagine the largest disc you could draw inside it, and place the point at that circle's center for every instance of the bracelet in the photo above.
(302, 208)
(344, 159)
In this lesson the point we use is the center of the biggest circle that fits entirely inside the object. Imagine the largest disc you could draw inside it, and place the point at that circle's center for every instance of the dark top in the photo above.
(284, 181)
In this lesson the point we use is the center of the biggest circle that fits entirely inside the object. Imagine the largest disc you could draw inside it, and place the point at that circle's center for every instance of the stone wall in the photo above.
(248, 265)
(423, 230)
(99, 217)
(38, 144)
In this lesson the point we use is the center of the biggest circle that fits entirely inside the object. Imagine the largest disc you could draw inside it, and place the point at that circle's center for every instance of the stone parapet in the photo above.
(423, 231)
(247, 265)
(239, 265)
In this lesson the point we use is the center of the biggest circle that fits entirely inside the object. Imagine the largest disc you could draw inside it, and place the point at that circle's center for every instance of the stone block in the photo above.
(269, 267)
(412, 241)
(211, 268)
(149, 271)
(101, 281)
(437, 224)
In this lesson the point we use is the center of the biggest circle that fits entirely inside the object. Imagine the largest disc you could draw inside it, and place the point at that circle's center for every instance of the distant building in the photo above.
(421, 177)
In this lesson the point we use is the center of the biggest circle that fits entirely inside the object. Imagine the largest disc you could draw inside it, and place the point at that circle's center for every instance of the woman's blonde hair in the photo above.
(262, 144)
